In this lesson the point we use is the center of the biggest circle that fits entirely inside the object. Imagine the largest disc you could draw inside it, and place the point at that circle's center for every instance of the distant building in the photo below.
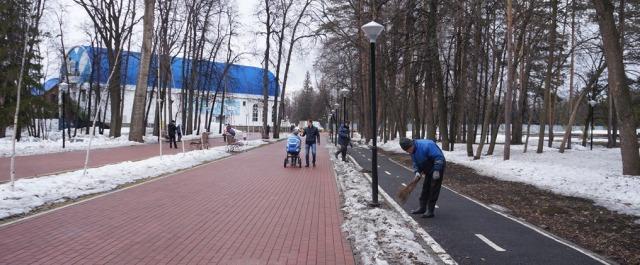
(88, 67)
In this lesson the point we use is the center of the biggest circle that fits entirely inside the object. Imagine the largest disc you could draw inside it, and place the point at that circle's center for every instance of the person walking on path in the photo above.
(312, 134)
(343, 140)
(179, 131)
(428, 160)
(172, 135)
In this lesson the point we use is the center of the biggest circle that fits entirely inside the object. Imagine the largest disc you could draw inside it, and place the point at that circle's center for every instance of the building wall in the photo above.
(238, 108)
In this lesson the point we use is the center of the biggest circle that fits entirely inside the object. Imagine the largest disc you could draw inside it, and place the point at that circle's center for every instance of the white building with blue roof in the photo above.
(242, 85)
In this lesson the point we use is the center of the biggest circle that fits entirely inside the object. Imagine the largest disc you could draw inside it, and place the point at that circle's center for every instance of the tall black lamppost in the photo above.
(345, 93)
(337, 118)
(592, 104)
(372, 30)
(62, 88)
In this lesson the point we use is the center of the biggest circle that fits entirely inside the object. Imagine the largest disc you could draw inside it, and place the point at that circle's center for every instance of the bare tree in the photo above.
(113, 20)
(618, 87)
(544, 115)
(138, 125)
(268, 23)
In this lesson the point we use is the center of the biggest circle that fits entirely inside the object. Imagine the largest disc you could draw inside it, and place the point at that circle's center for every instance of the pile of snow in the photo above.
(378, 235)
(53, 144)
(579, 172)
(30, 193)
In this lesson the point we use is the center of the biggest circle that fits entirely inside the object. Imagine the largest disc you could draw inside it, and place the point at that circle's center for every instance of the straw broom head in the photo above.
(403, 194)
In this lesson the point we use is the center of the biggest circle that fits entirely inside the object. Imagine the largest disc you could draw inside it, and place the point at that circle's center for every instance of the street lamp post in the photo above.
(337, 118)
(62, 88)
(372, 30)
(592, 104)
(345, 93)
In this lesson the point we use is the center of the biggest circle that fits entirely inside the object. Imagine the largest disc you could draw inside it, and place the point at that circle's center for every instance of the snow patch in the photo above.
(29, 145)
(379, 235)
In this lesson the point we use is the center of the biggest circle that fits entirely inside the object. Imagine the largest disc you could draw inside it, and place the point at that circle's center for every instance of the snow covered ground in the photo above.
(30, 193)
(378, 235)
(53, 144)
(579, 172)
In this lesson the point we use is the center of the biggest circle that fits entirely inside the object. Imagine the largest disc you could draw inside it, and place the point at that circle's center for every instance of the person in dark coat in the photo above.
(343, 140)
(172, 135)
(312, 134)
(428, 160)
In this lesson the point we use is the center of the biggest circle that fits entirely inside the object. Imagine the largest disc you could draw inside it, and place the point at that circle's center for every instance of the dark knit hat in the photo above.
(405, 143)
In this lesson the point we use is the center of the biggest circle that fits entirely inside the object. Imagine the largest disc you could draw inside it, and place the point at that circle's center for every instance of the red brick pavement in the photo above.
(46, 164)
(246, 209)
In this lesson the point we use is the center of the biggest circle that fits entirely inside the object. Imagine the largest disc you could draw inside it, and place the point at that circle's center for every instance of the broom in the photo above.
(403, 193)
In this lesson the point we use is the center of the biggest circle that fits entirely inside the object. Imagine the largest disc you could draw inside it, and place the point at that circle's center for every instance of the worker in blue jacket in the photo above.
(428, 161)
(343, 140)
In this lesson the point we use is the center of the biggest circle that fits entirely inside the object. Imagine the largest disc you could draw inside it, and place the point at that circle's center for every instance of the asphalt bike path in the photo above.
(471, 233)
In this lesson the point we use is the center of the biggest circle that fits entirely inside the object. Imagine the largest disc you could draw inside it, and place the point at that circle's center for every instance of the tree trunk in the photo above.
(619, 88)
(114, 94)
(508, 102)
(544, 115)
(265, 74)
(489, 102)
(138, 125)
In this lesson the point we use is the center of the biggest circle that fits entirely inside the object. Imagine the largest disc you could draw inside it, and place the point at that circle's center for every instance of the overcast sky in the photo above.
(75, 19)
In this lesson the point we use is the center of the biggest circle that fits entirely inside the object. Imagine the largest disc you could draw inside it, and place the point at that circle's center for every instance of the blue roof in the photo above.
(239, 79)
(49, 84)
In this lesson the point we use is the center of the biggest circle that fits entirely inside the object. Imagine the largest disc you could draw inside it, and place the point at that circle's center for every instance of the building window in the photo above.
(254, 116)
(244, 103)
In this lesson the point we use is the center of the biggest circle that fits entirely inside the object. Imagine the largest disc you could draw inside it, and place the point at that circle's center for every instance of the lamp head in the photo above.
(372, 30)
(344, 91)
(63, 86)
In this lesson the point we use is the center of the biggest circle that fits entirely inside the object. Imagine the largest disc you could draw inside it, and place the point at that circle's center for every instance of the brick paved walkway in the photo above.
(46, 164)
(246, 209)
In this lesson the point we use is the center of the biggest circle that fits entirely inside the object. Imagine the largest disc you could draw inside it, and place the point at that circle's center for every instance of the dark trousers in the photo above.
(431, 188)
(343, 150)
(172, 141)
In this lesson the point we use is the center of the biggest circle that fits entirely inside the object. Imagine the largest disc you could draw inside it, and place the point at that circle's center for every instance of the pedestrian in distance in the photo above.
(179, 131)
(343, 140)
(172, 135)
(428, 161)
(312, 136)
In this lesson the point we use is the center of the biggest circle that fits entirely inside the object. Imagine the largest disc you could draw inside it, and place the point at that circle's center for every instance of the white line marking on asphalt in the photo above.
(404, 184)
(369, 159)
(491, 244)
(397, 176)
(387, 172)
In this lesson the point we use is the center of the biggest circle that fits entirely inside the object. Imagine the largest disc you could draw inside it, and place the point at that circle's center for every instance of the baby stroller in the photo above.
(293, 151)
